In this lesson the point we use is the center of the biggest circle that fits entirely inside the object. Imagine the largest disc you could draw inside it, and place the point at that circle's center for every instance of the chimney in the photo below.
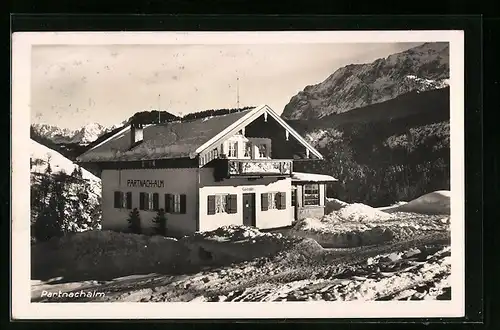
(136, 133)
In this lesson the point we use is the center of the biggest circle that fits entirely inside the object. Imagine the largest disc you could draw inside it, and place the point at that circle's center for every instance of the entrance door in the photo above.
(249, 210)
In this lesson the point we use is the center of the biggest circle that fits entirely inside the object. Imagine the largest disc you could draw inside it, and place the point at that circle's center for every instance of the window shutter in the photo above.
(232, 203)
(141, 200)
(168, 203)
(264, 202)
(129, 200)
(211, 205)
(183, 204)
(118, 202)
(156, 202)
(146, 201)
(282, 200)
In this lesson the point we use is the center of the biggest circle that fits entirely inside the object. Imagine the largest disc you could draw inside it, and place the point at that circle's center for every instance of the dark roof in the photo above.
(163, 141)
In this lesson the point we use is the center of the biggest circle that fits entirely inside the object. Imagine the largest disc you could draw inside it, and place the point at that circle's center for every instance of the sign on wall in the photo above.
(146, 183)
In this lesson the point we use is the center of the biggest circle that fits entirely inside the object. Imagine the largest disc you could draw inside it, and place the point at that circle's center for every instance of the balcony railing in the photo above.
(259, 167)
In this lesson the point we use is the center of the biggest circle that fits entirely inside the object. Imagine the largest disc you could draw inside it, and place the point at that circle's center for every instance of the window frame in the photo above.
(265, 149)
(223, 202)
(307, 197)
(272, 203)
(234, 148)
(173, 204)
(176, 203)
(247, 147)
(123, 200)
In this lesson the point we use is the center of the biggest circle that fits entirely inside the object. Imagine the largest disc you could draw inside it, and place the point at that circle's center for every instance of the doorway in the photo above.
(249, 210)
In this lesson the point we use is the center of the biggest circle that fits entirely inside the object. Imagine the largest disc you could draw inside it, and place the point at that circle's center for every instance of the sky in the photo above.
(75, 85)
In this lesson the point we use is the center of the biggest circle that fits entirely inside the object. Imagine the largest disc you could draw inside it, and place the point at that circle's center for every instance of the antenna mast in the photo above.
(159, 102)
(238, 92)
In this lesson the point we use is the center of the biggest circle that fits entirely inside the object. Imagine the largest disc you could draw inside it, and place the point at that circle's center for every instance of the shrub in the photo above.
(134, 222)
(160, 222)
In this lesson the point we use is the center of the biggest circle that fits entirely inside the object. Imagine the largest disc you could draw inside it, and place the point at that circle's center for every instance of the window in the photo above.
(175, 203)
(311, 194)
(149, 201)
(222, 203)
(233, 149)
(123, 200)
(248, 150)
(273, 201)
(262, 150)
(271, 197)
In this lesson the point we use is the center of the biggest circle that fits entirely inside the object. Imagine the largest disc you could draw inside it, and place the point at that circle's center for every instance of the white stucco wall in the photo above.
(176, 181)
(264, 219)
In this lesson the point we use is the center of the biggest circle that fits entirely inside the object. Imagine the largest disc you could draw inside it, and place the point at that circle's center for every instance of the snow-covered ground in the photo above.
(376, 256)
(58, 162)
(351, 225)
(436, 202)
(416, 270)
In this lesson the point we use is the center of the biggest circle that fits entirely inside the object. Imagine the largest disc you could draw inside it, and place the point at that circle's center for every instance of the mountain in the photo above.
(386, 152)
(84, 135)
(421, 68)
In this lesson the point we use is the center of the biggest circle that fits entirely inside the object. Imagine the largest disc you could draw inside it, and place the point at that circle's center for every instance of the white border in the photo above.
(22, 308)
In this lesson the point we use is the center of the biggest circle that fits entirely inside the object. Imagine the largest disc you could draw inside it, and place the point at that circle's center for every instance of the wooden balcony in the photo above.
(253, 168)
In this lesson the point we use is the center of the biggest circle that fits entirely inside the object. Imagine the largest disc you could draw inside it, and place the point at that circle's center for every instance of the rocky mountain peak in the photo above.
(421, 68)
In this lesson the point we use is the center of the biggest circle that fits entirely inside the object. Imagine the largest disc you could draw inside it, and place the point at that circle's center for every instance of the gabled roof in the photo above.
(180, 139)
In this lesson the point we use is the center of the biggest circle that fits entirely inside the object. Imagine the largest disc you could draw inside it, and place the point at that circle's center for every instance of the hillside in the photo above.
(421, 68)
(41, 155)
(64, 197)
(387, 152)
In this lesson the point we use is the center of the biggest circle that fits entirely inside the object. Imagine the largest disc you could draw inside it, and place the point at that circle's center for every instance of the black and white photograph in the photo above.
(311, 174)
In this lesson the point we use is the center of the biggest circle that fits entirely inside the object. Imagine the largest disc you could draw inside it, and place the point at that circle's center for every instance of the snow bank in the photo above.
(331, 236)
(355, 225)
(234, 243)
(97, 254)
(361, 213)
(333, 204)
(232, 233)
(437, 202)
(109, 254)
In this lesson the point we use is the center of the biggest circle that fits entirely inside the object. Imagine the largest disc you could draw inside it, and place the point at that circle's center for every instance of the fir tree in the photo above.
(160, 222)
(48, 170)
(59, 200)
(134, 222)
(47, 225)
(76, 173)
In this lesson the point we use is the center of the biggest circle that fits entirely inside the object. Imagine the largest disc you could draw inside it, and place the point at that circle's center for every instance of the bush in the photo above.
(160, 222)
(134, 222)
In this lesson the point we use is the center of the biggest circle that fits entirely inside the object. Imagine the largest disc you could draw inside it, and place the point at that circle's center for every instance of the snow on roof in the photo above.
(163, 141)
(311, 177)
